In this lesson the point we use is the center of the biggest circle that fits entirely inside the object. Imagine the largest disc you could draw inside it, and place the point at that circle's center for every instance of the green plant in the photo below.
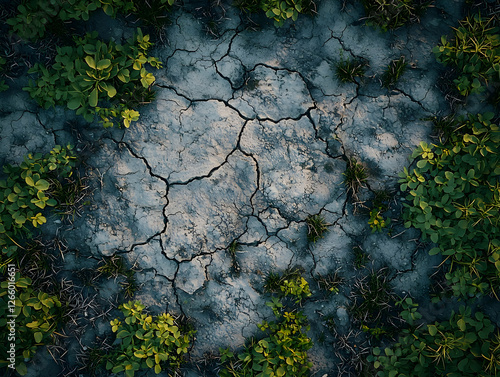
(97, 78)
(355, 177)
(371, 299)
(28, 320)
(114, 267)
(24, 193)
(376, 331)
(290, 282)
(409, 312)
(70, 195)
(282, 352)
(346, 70)
(443, 126)
(3, 85)
(281, 10)
(93, 360)
(465, 345)
(158, 342)
(330, 282)
(278, 10)
(316, 227)
(474, 52)
(392, 14)
(34, 17)
(233, 248)
(454, 200)
(393, 72)
(377, 221)
(360, 257)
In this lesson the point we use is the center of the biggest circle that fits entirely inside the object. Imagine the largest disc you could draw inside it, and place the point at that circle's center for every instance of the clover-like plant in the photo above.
(278, 10)
(474, 51)
(147, 342)
(465, 346)
(290, 282)
(37, 316)
(377, 222)
(97, 78)
(282, 352)
(36, 17)
(282, 10)
(24, 194)
(454, 200)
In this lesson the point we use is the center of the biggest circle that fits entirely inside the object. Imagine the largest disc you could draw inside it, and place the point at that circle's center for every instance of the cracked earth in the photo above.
(249, 134)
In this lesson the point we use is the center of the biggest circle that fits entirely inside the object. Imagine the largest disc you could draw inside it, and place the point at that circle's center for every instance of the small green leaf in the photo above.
(29, 181)
(90, 61)
(93, 98)
(103, 64)
(461, 324)
(38, 336)
(74, 103)
(42, 185)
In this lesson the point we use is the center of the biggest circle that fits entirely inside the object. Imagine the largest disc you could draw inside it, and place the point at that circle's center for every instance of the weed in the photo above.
(147, 341)
(153, 12)
(376, 331)
(129, 286)
(473, 52)
(377, 221)
(355, 177)
(329, 323)
(330, 282)
(290, 282)
(465, 346)
(37, 314)
(282, 352)
(114, 267)
(233, 248)
(87, 276)
(453, 196)
(278, 10)
(393, 72)
(316, 227)
(392, 14)
(93, 359)
(443, 126)
(371, 298)
(97, 78)
(360, 257)
(352, 350)
(272, 282)
(346, 70)
(3, 85)
(24, 194)
(70, 195)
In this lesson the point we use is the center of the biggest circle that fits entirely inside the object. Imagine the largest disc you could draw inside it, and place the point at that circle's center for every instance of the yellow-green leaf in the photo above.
(93, 98)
